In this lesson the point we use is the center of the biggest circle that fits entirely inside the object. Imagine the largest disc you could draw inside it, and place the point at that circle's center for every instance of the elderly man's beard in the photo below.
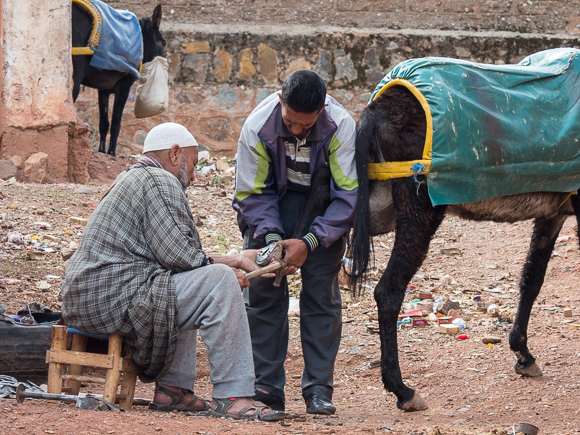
(182, 177)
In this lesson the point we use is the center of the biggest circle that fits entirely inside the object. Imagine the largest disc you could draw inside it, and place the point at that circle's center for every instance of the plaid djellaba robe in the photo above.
(119, 281)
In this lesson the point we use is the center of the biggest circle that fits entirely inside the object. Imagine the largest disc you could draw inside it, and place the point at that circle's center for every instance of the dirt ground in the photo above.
(471, 388)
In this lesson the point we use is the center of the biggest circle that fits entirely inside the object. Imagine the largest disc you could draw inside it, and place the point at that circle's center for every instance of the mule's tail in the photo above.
(360, 243)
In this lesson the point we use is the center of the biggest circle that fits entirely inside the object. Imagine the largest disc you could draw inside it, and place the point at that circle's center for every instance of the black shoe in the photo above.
(272, 400)
(318, 404)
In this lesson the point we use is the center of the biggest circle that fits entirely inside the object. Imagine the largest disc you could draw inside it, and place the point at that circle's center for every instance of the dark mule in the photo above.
(392, 128)
(106, 81)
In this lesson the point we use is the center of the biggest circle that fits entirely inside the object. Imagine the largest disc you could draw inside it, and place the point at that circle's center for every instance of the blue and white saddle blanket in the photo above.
(120, 45)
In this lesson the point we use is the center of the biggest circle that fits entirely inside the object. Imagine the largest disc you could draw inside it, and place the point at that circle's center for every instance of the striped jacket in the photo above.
(261, 178)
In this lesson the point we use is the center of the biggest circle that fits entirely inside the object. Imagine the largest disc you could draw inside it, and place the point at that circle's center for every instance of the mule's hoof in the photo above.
(533, 371)
(415, 404)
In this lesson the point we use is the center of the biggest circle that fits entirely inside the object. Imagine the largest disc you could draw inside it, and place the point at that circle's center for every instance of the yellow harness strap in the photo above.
(93, 41)
(388, 170)
(567, 198)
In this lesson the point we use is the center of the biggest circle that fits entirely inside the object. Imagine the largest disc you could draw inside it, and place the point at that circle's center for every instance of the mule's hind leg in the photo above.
(543, 238)
(417, 221)
(104, 95)
(576, 204)
(80, 64)
(122, 88)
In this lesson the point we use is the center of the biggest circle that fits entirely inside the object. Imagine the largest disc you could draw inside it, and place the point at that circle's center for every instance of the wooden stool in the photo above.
(68, 365)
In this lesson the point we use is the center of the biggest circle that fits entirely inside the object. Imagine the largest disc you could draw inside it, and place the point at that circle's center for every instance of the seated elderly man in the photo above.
(140, 271)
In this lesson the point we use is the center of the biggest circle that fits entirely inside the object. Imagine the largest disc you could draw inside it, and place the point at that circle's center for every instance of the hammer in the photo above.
(265, 258)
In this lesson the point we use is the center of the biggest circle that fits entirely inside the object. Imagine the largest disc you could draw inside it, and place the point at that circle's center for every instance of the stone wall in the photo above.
(40, 133)
(226, 56)
(216, 78)
(526, 16)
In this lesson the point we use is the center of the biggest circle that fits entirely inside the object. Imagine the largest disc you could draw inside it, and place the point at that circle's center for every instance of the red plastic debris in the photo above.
(462, 337)
(414, 313)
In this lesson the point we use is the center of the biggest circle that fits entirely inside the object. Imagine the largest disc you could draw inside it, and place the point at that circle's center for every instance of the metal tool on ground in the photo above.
(271, 260)
(87, 402)
(8, 386)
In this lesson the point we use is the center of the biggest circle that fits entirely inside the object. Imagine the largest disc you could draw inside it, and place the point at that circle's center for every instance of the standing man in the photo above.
(285, 139)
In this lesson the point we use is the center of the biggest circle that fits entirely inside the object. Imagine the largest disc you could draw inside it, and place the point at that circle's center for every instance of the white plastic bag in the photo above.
(152, 95)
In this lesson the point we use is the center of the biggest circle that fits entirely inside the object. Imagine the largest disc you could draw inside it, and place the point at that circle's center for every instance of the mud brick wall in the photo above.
(219, 72)
(36, 108)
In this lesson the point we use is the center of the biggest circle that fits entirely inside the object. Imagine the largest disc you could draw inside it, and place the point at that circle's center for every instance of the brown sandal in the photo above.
(176, 399)
(223, 405)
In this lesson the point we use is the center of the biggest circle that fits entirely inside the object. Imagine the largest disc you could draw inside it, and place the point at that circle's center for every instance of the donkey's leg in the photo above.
(417, 221)
(122, 88)
(576, 204)
(103, 118)
(80, 64)
(543, 238)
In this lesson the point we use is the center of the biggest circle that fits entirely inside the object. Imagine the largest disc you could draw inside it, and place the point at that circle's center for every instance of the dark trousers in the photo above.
(320, 313)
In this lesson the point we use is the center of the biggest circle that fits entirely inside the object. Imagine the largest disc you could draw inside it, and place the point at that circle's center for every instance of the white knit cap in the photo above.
(164, 136)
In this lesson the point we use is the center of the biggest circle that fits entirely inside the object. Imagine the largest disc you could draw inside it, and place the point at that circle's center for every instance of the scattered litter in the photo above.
(489, 339)
(451, 251)
(354, 350)
(444, 320)
(420, 322)
(35, 255)
(43, 285)
(15, 238)
(460, 323)
(493, 310)
(77, 220)
(42, 225)
(294, 307)
(449, 329)
(414, 313)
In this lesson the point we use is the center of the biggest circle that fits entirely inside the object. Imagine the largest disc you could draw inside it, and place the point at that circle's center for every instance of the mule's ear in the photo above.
(156, 16)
